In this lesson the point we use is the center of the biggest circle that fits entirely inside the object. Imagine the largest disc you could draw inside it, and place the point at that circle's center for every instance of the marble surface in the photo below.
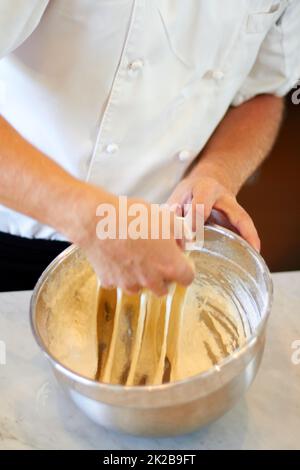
(34, 413)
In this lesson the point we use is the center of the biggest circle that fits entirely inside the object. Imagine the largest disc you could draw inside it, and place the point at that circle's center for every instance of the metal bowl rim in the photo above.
(115, 388)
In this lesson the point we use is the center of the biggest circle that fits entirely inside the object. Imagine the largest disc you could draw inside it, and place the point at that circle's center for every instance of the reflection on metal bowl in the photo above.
(230, 266)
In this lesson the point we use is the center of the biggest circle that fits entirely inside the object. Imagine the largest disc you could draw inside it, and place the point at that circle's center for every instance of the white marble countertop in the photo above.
(35, 414)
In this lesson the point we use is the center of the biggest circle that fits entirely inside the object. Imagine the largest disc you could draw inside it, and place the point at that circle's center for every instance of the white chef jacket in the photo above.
(125, 93)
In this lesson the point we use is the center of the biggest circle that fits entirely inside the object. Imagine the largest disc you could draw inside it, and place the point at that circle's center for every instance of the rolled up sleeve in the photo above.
(18, 19)
(277, 66)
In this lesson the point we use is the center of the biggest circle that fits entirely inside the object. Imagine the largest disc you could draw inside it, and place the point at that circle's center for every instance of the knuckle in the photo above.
(158, 287)
(130, 287)
(187, 278)
(183, 273)
(107, 283)
(169, 272)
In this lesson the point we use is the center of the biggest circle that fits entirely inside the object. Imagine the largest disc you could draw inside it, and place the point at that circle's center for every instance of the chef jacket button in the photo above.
(136, 65)
(185, 155)
(239, 99)
(112, 148)
(218, 75)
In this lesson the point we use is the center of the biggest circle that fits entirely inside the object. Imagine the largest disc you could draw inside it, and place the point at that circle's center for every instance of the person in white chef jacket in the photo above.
(160, 100)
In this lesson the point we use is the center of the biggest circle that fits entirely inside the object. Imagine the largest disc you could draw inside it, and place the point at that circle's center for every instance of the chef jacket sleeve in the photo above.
(277, 66)
(18, 19)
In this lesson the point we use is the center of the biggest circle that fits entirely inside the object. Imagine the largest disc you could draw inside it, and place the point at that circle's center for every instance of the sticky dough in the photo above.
(111, 337)
(70, 329)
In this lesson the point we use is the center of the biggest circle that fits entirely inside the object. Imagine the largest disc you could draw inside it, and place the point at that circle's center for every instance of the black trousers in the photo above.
(22, 260)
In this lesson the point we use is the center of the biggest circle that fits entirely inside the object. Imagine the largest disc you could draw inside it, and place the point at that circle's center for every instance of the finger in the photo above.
(181, 271)
(158, 286)
(132, 290)
(180, 196)
(176, 225)
(106, 282)
(219, 218)
(240, 219)
(207, 195)
(180, 231)
(197, 213)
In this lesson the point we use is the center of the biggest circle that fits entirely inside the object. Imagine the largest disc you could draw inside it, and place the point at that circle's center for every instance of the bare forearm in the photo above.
(241, 142)
(35, 185)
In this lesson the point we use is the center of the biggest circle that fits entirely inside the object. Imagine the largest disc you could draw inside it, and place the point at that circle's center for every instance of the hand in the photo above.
(129, 263)
(220, 204)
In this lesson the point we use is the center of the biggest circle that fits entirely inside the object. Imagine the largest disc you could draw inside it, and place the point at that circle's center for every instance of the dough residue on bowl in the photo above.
(111, 337)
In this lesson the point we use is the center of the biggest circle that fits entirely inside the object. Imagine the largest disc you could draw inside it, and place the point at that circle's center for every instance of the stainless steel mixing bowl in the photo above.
(226, 261)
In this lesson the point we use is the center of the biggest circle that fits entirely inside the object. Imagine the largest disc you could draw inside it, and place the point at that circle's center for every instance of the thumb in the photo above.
(184, 270)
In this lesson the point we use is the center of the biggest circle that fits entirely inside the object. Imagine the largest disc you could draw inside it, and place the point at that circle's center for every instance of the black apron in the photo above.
(22, 260)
